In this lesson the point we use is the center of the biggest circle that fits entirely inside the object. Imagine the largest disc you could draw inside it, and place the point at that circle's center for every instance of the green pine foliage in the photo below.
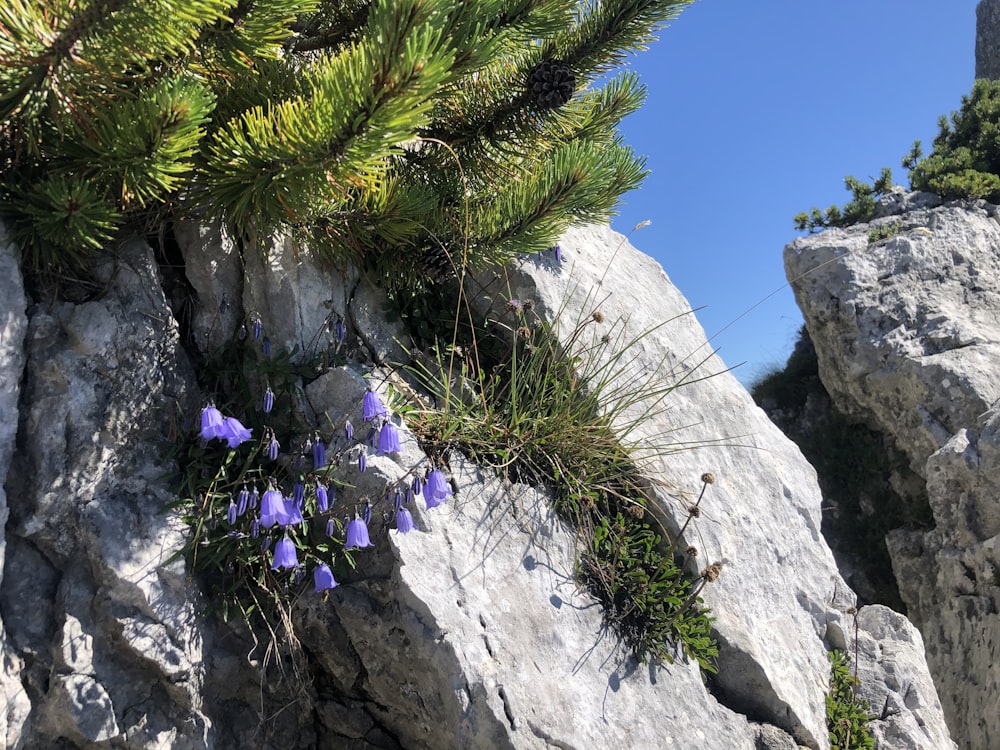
(377, 131)
(965, 162)
(860, 209)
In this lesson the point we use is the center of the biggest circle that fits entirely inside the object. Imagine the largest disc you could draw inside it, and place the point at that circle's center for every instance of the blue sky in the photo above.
(756, 111)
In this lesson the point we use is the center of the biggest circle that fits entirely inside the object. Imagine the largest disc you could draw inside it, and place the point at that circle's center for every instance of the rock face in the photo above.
(988, 39)
(469, 632)
(907, 332)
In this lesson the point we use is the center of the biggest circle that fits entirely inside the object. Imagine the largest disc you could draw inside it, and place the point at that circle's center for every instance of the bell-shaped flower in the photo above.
(265, 347)
(437, 490)
(292, 514)
(272, 448)
(331, 527)
(242, 501)
(388, 438)
(357, 535)
(322, 499)
(372, 406)
(323, 578)
(233, 432)
(340, 330)
(231, 513)
(319, 453)
(257, 327)
(362, 462)
(284, 555)
(404, 521)
(272, 509)
(212, 423)
(268, 400)
(348, 431)
(417, 486)
(298, 493)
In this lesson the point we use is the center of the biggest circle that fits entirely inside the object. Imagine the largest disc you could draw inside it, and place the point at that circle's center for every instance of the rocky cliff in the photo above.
(907, 334)
(987, 38)
(472, 632)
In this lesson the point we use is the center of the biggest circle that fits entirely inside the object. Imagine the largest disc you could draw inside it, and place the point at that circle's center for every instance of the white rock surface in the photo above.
(779, 588)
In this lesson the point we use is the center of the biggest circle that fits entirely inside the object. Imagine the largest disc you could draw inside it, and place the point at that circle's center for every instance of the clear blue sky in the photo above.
(756, 111)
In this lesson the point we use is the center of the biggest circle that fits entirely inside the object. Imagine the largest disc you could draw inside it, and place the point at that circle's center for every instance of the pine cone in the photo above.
(435, 264)
(551, 84)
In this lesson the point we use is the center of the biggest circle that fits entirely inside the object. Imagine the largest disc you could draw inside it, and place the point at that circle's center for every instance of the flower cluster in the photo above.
(280, 508)
(216, 426)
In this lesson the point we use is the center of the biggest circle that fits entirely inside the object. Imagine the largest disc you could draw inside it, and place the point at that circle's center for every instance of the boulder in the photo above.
(907, 333)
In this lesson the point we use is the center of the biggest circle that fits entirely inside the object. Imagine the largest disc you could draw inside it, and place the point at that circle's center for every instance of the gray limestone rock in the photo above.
(121, 641)
(14, 704)
(907, 331)
(988, 39)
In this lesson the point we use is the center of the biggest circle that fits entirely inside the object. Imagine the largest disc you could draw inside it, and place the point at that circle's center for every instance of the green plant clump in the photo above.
(846, 715)
(544, 414)
(884, 231)
(409, 136)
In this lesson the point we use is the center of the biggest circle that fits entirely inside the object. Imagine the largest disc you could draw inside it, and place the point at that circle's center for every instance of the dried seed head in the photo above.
(598, 316)
(712, 572)
(708, 478)
(691, 551)
(636, 510)
(694, 511)
(529, 304)
(524, 332)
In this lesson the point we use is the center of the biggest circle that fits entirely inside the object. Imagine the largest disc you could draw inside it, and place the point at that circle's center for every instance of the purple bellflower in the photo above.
(331, 527)
(268, 400)
(211, 423)
(257, 326)
(284, 555)
(323, 578)
(357, 535)
(293, 512)
(272, 509)
(272, 448)
(349, 431)
(322, 499)
(233, 432)
(242, 500)
(404, 521)
(231, 513)
(341, 330)
(319, 453)
(388, 438)
(437, 489)
(362, 462)
(372, 407)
